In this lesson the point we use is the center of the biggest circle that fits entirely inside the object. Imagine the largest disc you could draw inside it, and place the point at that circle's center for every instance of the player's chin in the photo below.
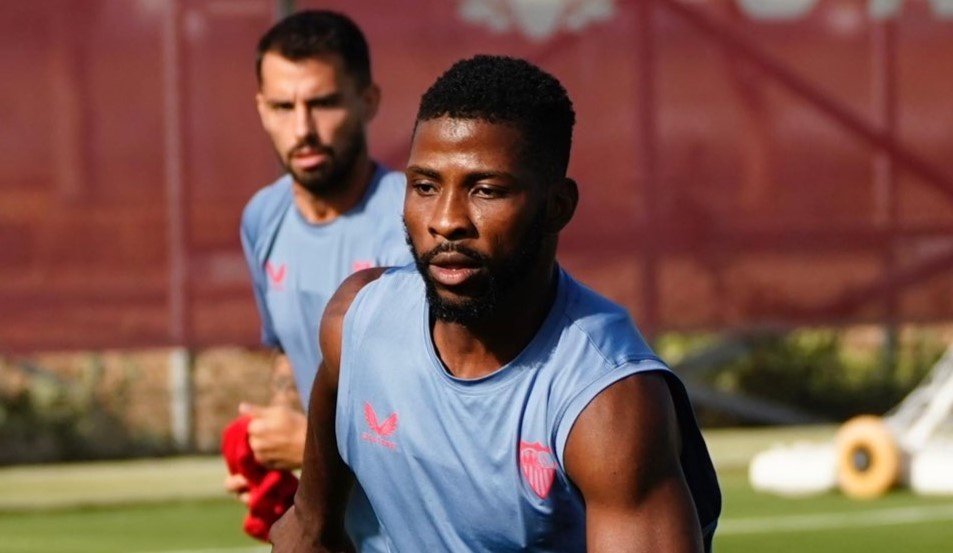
(459, 309)
(458, 299)
(318, 177)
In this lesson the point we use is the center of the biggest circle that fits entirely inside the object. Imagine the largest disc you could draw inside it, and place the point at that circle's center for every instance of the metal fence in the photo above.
(738, 167)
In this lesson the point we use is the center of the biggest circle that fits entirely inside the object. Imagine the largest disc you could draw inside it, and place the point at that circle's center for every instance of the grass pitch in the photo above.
(204, 526)
(117, 522)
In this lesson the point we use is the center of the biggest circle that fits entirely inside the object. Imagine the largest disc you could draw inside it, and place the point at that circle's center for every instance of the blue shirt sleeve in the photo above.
(249, 233)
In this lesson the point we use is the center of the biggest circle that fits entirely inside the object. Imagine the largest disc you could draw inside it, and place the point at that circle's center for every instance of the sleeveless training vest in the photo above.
(477, 465)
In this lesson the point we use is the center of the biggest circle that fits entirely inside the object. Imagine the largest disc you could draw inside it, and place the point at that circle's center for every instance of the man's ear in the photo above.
(561, 204)
(260, 106)
(371, 97)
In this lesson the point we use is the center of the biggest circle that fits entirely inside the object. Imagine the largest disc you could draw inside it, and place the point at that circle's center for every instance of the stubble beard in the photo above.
(501, 277)
(328, 182)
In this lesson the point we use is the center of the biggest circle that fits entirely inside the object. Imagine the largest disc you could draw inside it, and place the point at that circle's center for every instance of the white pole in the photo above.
(180, 359)
(181, 395)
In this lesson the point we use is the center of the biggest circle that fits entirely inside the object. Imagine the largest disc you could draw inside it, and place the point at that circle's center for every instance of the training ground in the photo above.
(176, 506)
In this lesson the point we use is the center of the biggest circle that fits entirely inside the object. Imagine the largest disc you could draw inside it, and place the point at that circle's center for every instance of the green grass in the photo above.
(900, 521)
(177, 506)
(111, 482)
(214, 525)
(178, 526)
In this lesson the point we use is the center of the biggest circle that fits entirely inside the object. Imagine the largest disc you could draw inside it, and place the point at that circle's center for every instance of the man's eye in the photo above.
(424, 188)
(282, 107)
(487, 192)
(325, 103)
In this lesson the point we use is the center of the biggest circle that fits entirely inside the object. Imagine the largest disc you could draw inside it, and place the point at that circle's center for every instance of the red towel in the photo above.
(271, 491)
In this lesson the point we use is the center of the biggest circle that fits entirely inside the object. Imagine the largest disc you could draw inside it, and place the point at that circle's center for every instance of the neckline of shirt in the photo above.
(376, 177)
(524, 362)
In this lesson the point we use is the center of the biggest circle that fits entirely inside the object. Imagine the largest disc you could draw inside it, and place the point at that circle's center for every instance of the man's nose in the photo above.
(304, 123)
(451, 216)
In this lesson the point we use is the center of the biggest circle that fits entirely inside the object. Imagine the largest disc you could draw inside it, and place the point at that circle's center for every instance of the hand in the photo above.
(237, 484)
(276, 435)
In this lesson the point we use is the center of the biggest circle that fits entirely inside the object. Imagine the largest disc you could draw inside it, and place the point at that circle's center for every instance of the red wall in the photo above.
(763, 210)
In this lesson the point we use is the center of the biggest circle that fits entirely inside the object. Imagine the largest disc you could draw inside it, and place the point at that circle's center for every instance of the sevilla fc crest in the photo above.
(538, 467)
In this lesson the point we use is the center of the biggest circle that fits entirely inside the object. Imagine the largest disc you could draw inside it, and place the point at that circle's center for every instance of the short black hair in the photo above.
(311, 33)
(500, 89)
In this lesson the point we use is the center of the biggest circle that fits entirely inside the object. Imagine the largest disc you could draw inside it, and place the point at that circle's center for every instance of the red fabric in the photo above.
(271, 491)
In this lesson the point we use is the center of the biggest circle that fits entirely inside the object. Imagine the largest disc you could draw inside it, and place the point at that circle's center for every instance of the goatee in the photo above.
(325, 182)
(501, 276)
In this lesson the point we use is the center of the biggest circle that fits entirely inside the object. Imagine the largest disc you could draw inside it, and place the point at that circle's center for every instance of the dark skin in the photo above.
(469, 181)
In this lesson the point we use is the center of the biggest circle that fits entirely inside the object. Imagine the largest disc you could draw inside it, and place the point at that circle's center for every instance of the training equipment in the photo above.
(868, 459)
(871, 454)
(796, 470)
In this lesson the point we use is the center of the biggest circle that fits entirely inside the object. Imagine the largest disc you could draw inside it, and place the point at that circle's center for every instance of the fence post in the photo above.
(884, 84)
(181, 399)
(177, 213)
(648, 314)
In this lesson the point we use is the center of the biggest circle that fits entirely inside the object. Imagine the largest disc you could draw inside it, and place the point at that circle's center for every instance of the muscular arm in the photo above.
(623, 455)
(316, 522)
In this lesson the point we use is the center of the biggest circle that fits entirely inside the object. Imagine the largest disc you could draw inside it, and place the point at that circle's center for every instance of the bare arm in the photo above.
(276, 432)
(316, 522)
(623, 454)
(283, 388)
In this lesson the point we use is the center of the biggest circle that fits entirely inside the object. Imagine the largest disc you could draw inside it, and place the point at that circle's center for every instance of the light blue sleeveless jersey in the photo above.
(477, 465)
(296, 266)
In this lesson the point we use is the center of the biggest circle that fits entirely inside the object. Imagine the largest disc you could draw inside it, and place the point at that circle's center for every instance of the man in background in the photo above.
(334, 212)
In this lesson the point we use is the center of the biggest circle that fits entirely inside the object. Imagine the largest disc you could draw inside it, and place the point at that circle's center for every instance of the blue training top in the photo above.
(477, 465)
(297, 266)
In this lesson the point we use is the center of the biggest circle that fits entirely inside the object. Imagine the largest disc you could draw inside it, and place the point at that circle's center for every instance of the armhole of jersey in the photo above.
(700, 474)
(349, 340)
(566, 419)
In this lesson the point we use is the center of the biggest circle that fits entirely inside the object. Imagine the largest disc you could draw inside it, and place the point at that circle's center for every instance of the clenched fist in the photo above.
(276, 435)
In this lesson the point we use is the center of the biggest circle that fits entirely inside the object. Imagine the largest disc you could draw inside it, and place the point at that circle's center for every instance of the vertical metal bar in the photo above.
(180, 406)
(648, 314)
(884, 65)
(884, 88)
(175, 185)
(68, 94)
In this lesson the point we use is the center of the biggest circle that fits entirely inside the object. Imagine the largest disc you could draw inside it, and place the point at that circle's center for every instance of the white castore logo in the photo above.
(536, 19)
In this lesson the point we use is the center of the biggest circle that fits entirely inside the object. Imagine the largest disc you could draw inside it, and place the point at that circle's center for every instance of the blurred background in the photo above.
(766, 185)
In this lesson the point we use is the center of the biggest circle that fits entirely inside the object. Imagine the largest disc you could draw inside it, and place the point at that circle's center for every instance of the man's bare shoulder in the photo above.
(332, 322)
(348, 290)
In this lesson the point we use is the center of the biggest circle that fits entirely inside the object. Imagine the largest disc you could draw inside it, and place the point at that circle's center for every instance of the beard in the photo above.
(326, 181)
(502, 276)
